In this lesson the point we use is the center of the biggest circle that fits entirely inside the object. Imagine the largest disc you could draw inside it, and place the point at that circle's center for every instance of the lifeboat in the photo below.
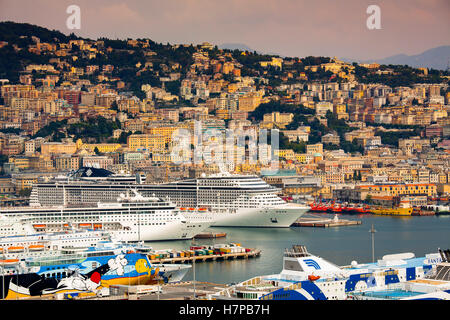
(16, 249)
(35, 247)
(8, 261)
(39, 226)
(84, 224)
(191, 209)
(202, 209)
(98, 225)
(312, 277)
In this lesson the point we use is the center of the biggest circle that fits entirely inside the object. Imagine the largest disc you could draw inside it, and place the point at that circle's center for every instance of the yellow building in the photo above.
(164, 131)
(304, 157)
(20, 162)
(102, 147)
(403, 189)
(49, 148)
(444, 188)
(148, 142)
(276, 62)
(223, 114)
(314, 148)
(340, 108)
(67, 162)
(287, 154)
(249, 102)
(25, 182)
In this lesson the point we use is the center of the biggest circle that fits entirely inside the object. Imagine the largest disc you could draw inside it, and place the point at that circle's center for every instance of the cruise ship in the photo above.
(129, 218)
(230, 200)
(309, 277)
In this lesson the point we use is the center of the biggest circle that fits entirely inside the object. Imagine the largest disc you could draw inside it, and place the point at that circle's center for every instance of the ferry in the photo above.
(129, 218)
(39, 244)
(434, 286)
(309, 277)
(89, 270)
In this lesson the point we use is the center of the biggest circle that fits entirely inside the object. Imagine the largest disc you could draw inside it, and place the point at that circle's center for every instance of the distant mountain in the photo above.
(234, 46)
(436, 58)
(244, 47)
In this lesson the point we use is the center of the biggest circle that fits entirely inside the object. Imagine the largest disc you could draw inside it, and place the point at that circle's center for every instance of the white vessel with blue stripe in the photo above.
(434, 286)
(308, 277)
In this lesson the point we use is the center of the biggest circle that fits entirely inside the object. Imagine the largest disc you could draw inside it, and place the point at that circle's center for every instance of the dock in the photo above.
(185, 291)
(324, 222)
(253, 253)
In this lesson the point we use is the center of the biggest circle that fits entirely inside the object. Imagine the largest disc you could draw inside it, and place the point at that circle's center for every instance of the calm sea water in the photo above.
(340, 245)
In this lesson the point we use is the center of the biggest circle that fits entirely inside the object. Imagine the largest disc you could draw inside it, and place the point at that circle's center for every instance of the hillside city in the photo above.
(353, 132)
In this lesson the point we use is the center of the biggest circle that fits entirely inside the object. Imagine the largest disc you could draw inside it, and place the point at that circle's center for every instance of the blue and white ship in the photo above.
(434, 286)
(308, 277)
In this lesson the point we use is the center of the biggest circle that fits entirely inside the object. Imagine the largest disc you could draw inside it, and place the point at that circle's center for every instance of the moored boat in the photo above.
(89, 270)
(309, 277)
(393, 211)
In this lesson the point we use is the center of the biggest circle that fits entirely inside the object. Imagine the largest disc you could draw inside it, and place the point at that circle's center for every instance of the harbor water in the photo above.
(340, 245)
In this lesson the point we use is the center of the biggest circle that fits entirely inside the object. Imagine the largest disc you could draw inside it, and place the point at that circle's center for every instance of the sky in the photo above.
(294, 28)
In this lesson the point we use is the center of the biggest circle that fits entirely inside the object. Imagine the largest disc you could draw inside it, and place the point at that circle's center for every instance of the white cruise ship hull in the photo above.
(276, 217)
(171, 231)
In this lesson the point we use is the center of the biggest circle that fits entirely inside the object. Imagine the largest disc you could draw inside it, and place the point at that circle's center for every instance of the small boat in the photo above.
(6, 262)
(312, 277)
(84, 225)
(36, 247)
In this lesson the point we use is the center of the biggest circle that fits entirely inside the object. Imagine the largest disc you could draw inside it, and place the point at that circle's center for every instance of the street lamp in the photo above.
(193, 267)
(372, 231)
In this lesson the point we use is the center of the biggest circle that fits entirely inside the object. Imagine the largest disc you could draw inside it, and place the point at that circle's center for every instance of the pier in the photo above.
(185, 291)
(211, 257)
(324, 222)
